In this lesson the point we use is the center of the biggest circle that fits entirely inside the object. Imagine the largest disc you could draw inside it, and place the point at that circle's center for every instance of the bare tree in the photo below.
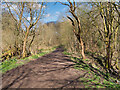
(109, 16)
(72, 8)
(27, 15)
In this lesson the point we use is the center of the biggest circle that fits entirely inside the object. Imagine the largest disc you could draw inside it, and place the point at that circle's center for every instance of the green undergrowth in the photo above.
(67, 53)
(95, 77)
(13, 63)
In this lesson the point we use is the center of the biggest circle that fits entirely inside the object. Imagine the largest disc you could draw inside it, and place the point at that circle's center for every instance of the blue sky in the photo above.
(54, 12)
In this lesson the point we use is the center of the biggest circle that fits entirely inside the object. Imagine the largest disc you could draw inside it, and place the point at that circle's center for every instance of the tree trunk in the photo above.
(24, 44)
(82, 46)
(78, 36)
(32, 41)
(107, 61)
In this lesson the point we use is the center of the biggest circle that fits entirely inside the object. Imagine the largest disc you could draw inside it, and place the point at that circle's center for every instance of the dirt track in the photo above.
(54, 70)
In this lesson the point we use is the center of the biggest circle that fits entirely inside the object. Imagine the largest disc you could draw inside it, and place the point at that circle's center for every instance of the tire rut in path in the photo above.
(54, 70)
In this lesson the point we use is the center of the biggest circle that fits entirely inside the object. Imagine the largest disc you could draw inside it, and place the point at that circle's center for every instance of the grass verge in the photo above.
(13, 63)
(95, 77)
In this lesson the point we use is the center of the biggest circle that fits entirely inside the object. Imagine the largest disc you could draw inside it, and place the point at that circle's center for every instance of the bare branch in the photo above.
(73, 24)
(74, 5)
(64, 3)
(39, 14)
(25, 24)
(14, 10)
(20, 16)
(71, 20)
(116, 9)
(11, 12)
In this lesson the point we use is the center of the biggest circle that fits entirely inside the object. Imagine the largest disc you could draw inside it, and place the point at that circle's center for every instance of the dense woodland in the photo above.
(88, 30)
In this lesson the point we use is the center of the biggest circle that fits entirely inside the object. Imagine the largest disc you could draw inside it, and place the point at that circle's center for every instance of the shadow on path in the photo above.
(54, 70)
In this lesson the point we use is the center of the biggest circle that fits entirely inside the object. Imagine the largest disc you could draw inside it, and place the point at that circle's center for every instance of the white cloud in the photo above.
(28, 18)
(12, 7)
(44, 6)
(34, 18)
(36, 6)
(57, 12)
(65, 8)
(4, 6)
(39, 5)
(48, 15)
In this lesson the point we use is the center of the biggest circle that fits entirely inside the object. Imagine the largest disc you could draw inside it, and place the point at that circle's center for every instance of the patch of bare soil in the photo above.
(54, 70)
